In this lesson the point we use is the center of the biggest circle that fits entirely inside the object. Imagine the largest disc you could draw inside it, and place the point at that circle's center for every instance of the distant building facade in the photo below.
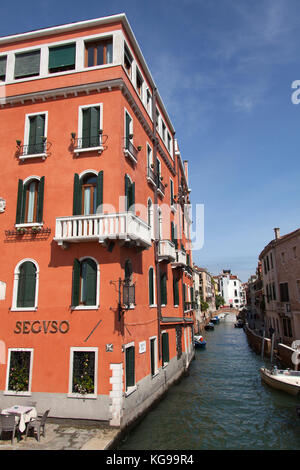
(280, 261)
(231, 289)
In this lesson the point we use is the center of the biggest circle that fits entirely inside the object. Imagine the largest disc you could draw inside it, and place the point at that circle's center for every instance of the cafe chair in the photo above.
(38, 425)
(8, 424)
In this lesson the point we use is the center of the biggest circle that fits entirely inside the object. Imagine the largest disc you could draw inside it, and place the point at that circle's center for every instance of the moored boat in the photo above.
(215, 320)
(282, 379)
(199, 341)
(209, 326)
(239, 324)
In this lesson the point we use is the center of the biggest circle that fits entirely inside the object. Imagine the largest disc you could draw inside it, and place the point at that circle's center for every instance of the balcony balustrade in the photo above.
(125, 227)
(88, 144)
(39, 150)
(160, 187)
(180, 259)
(151, 177)
(166, 251)
(284, 309)
(130, 150)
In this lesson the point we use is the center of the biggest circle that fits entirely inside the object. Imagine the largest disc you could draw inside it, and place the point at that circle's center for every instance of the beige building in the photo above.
(281, 280)
(207, 289)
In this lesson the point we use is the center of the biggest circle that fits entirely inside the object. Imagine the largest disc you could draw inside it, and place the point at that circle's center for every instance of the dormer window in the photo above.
(127, 60)
(62, 58)
(27, 64)
(3, 61)
(98, 52)
(139, 82)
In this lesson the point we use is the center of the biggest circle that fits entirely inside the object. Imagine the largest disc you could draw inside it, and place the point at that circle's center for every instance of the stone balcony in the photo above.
(125, 227)
(166, 251)
(180, 259)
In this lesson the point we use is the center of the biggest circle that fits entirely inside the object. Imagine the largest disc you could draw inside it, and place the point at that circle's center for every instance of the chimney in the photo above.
(277, 233)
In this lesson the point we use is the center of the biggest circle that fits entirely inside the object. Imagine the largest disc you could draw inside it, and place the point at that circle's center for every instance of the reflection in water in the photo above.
(222, 404)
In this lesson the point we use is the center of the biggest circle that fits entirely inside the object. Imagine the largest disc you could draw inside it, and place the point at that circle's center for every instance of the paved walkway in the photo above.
(64, 437)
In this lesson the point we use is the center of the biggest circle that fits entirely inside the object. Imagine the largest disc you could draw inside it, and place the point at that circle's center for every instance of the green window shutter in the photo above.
(127, 127)
(95, 124)
(165, 348)
(130, 367)
(36, 134)
(91, 282)
(171, 192)
(76, 283)
(77, 195)
(163, 289)
(175, 237)
(3, 61)
(127, 188)
(175, 291)
(132, 197)
(26, 285)
(19, 215)
(86, 127)
(62, 56)
(192, 294)
(27, 64)
(99, 190)
(172, 232)
(152, 356)
(40, 200)
(184, 293)
(151, 286)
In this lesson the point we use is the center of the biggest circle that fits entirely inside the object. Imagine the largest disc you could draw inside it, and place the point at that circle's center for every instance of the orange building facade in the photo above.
(95, 278)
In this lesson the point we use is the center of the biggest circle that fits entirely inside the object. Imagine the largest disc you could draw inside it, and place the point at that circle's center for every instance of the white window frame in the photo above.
(133, 388)
(14, 307)
(12, 392)
(100, 147)
(79, 395)
(91, 307)
(156, 372)
(30, 224)
(95, 38)
(42, 155)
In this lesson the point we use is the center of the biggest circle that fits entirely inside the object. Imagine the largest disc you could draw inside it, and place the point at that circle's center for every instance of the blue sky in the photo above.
(224, 69)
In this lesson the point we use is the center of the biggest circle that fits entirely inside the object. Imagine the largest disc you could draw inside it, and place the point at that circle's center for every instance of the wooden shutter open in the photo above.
(99, 189)
(19, 214)
(91, 282)
(40, 200)
(76, 283)
(76, 195)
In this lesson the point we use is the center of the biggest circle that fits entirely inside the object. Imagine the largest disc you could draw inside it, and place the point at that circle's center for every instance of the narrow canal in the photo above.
(221, 404)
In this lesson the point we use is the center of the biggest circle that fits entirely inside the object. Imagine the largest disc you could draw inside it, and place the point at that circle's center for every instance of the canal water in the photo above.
(221, 404)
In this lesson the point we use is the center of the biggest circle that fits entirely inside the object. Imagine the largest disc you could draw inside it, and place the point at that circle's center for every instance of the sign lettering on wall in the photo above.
(41, 326)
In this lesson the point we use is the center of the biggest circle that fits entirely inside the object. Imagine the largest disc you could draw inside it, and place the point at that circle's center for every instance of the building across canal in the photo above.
(221, 404)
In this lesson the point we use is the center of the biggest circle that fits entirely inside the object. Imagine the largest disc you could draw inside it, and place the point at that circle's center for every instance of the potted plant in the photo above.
(21, 230)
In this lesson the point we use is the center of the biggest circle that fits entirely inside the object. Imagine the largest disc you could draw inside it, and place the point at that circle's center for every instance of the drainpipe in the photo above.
(156, 224)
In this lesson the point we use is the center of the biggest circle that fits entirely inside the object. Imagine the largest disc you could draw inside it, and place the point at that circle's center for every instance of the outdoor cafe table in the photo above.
(23, 414)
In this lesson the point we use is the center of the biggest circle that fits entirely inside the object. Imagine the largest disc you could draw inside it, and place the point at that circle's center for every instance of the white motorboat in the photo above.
(221, 316)
(282, 379)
